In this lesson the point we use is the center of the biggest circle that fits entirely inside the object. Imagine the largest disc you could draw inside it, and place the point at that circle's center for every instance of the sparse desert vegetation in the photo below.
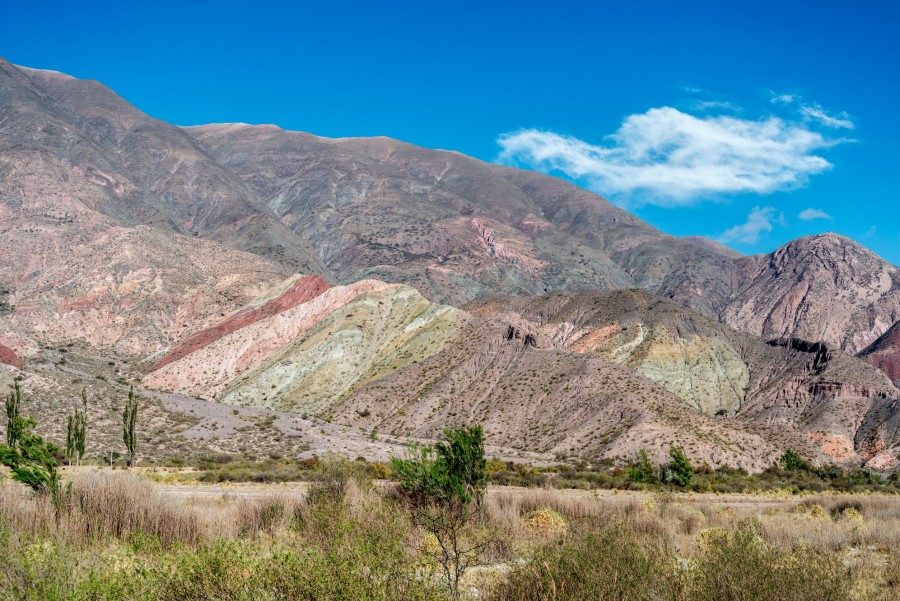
(115, 536)
(439, 533)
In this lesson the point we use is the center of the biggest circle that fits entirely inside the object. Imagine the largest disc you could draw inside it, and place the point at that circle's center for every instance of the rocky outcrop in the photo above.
(884, 353)
(9, 357)
(684, 352)
(372, 335)
(208, 369)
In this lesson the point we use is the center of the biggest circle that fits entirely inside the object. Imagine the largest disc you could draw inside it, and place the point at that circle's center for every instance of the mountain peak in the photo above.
(44, 72)
(822, 288)
(830, 251)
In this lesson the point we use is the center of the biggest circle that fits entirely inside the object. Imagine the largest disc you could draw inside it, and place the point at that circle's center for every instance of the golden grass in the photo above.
(859, 534)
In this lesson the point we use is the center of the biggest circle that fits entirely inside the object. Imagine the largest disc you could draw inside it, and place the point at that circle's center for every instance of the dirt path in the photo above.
(232, 491)
(618, 498)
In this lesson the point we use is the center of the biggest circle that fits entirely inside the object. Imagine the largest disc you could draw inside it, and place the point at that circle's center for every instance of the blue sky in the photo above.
(753, 123)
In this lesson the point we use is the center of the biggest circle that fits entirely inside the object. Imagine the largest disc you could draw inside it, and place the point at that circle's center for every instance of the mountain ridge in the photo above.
(386, 286)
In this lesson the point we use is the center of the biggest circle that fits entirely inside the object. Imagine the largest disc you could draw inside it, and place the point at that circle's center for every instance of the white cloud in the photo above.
(810, 214)
(669, 158)
(706, 105)
(783, 98)
(760, 219)
(817, 113)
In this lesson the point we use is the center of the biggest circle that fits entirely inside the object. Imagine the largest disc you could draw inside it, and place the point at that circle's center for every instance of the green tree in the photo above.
(642, 470)
(76, 432)
(129, 421)
(790, 461)
(445, 485)
(81, 434)
(679, 470)
(13, 421)
(451, 471)
(70, 437)
(26, 454)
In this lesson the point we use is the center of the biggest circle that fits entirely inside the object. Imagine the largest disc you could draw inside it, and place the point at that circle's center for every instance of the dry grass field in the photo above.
(122, 536)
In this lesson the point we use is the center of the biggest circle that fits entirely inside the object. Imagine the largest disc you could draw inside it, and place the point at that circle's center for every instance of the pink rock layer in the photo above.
(8, 356)
(885, 353)
(303, 290)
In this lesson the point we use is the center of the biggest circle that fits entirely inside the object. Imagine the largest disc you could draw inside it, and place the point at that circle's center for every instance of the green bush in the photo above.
(32, 460)
(790, 461)
(445, 485)
(448, 472)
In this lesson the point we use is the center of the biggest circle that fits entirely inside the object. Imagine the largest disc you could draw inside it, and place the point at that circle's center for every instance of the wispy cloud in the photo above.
(813, 111)
(707, 105)
(783, 98)
(760, 220)
(811, 213)
(670, 158)
(817, 113)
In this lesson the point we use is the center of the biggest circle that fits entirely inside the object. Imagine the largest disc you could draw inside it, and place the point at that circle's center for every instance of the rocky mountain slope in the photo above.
(835, 399)
(455, 227)
(176, 250)
(130, 291)
(75, 159)
(381, 357)
(73, 152)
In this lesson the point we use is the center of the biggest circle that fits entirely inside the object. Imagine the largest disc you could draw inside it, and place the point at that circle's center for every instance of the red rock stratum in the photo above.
(301, 290)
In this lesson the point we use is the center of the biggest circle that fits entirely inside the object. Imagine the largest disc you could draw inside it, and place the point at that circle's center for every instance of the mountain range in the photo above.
(388, 288)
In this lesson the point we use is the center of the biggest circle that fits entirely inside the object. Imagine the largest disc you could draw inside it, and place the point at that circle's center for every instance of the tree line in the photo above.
(32, 460)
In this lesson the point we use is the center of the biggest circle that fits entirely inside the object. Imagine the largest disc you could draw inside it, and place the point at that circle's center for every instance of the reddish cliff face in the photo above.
(884, 353)
(8, 356)
(304, 289)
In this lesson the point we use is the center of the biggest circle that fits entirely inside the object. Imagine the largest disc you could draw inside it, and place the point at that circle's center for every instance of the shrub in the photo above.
(600, 560)
(739, 566)
(679, 470)
(31, 460)
(790, 461)
(642, 471)
(123, 506)
(449, 472)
